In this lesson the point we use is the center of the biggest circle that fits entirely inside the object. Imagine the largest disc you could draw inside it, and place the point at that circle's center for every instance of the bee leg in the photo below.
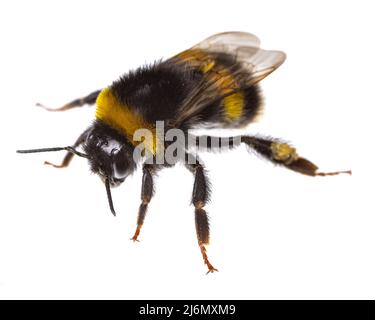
(284, 154)
(89, 99)
(146, 195)
(68, 157)
(200, 197)
(212, 143)
(274, 150)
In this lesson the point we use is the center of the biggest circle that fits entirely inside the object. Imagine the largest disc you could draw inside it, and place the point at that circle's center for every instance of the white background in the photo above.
(275, 234)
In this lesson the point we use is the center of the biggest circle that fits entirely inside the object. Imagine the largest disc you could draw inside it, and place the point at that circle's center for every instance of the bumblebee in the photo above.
(212, 84)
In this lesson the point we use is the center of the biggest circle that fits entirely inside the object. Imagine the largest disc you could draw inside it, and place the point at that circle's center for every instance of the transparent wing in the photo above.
(249, 65)
(228, 41)
(245, 48)
(261, 63)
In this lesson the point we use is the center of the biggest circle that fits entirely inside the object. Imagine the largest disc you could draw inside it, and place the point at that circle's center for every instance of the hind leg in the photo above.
(89, 99)
(271, 149)
(284, 154)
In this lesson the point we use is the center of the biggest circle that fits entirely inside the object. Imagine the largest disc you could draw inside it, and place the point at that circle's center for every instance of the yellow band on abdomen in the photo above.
(233, 105)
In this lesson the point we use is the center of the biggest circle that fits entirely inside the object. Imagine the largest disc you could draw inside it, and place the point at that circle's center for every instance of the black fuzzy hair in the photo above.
(157, 90)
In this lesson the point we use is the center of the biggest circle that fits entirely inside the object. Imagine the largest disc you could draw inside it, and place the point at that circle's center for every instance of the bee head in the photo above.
(110, 154)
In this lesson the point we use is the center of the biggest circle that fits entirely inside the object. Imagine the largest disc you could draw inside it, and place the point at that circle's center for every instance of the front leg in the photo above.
(89, 99)
(69, 156)
(201, 194)
(146, 195)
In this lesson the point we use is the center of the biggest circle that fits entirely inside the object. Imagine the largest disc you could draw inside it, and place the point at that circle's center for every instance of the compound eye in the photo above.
(120, 170)
(120, 164)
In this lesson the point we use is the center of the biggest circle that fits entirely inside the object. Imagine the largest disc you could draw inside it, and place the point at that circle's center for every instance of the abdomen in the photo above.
(234, 111)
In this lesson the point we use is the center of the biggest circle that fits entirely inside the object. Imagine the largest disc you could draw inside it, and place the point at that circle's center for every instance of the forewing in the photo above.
(228, 41)
(250, 64)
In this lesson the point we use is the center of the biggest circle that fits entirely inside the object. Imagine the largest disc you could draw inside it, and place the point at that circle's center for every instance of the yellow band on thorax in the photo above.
(119, 116)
